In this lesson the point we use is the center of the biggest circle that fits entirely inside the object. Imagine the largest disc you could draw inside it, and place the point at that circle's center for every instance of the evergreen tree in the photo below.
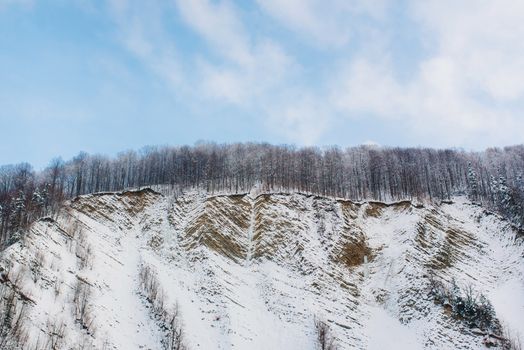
(473, 187)
(486, 313)
(18, 211)
(470, 306)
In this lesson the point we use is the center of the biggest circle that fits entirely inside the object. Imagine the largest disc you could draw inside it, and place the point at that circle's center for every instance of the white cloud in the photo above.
(483, 39)
(252, 72)
(141, 31)
(247, 85)
(434, 104)
(462, 93)
(220, 25)
(324, 23)
(299, 116)
(371, 143)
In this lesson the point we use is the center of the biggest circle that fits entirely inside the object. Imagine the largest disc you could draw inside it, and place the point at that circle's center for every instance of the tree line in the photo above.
(493, 177)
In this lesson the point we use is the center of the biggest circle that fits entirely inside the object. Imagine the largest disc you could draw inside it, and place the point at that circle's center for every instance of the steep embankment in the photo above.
(252, 272)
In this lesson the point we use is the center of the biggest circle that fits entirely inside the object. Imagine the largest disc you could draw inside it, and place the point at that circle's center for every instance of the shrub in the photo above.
(472, 308)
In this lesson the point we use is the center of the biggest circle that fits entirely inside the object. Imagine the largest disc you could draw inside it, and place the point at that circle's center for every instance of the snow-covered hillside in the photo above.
(254, 272)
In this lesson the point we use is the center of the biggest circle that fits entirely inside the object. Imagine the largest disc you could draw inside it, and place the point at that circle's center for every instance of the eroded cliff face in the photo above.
(253, 272)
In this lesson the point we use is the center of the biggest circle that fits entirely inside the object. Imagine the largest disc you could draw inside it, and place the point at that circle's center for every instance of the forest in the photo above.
(492, 178)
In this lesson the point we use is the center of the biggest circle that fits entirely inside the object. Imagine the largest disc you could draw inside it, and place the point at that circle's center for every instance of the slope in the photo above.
(254, 272)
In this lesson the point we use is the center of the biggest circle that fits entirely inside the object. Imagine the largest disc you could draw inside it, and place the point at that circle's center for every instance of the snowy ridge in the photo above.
(252, 272)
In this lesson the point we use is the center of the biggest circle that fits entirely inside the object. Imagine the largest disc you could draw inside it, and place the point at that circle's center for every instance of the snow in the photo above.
(386, 332)
(127, 319)
(286, 272)
(508, 300)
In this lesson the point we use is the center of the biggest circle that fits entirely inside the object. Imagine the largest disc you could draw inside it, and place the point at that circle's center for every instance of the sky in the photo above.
(108, 76)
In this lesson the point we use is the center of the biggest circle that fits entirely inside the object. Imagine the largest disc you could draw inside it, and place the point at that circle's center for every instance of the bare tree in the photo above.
(56, 331)
(12, 319)
(494, 178)
(169, 318)
(325, 340)
(81, 307)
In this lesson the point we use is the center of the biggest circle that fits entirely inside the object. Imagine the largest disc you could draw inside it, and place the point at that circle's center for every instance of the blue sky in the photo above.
(106, 76)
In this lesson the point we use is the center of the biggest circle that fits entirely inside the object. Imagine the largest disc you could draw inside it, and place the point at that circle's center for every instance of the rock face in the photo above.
(254, 272)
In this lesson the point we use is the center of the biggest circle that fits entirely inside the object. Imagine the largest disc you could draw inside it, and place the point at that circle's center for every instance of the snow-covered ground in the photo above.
(255, 271)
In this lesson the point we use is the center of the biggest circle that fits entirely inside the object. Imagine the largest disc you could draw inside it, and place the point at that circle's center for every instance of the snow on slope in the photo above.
(253, 272)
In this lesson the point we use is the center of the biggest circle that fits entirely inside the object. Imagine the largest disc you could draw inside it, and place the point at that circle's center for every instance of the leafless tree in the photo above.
(56, 331)
(81, 306)
(325, 340)
(169, 318)
(12, 319)
(494, 178)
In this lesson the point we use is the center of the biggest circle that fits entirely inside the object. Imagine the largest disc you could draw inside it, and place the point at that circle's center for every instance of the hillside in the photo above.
(255, 271)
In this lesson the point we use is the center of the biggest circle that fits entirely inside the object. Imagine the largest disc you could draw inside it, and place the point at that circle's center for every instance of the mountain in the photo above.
(141, 269)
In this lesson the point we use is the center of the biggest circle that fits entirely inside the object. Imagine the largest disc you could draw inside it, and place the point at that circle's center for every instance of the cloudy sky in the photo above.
(106, 76)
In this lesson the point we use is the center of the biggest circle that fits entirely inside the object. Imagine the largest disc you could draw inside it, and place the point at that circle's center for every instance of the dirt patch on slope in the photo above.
(105, 205)
(221, 227)
(278, 229)
(349, 210)
(354, 251)
(374, 209)
(455, 243)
